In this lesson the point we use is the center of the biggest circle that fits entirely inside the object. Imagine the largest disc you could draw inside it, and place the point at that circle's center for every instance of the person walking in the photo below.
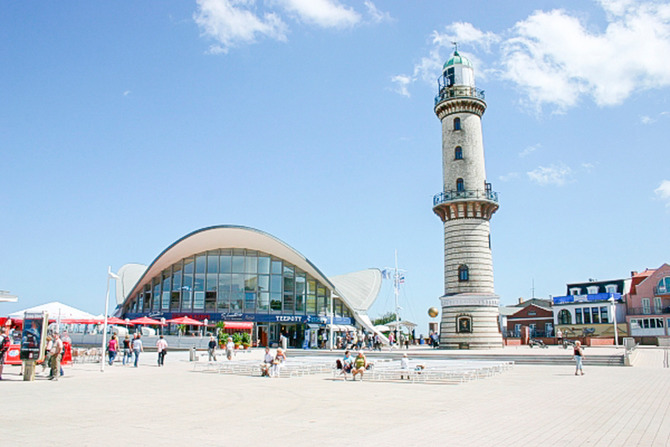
(579, 357)
(56, 350)
(161, 347)
(137, 348)
(230, 348)
(112, 348)
(127, 349)
(4, 347)
(211, 348)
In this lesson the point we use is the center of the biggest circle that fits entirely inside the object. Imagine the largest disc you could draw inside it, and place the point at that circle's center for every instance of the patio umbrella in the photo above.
(117, 320)
(145, 320)
(185, 320)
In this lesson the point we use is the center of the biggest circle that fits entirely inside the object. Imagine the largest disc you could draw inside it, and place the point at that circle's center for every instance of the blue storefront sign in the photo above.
(239, 316)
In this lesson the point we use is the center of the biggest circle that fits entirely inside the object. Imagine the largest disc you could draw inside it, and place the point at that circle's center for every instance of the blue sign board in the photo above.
(240, 316)
(586, 298)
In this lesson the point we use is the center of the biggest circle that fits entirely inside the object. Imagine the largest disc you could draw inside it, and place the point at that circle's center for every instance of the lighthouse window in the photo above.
(457, 124)
(458, 153)
(463, 274)
(460, 186)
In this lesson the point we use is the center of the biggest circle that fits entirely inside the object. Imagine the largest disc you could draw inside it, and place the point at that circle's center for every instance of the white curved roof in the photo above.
(227, 236)
(360, 289)
(128, 275)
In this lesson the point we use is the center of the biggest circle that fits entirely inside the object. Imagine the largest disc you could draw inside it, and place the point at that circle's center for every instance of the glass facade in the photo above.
(235, 281)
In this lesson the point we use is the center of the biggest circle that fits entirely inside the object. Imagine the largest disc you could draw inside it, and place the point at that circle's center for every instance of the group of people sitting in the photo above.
(355, 366)
(272, 363)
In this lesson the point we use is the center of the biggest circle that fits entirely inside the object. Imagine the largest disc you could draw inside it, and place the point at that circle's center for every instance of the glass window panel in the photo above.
(311, 286)
(237, 292)
(320, 290)
(288, 303)
(165, 303)
(238, 264)
(174, 301)
(264, 264)
(276, 267)
(176, 278)
(300, 304)
(250, 264)
(210, 301)
(250, 283)
(186, 297)
(288, 270)
(264, 283)
(311, 304)
(587, 315)
(225, 264)
(199, 285)
(595, 315)
(212, 282)
(288, 285)
(199, 300)
(223, 301)
(263, 301)
(578, 316)
(188, 265)
(604, 315)
(249, 301)
(156, 294)
(275, 302)
(200, 263)
(275, 283)
(212, 262)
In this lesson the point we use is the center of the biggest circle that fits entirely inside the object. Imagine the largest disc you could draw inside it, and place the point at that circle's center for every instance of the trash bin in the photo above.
(192, 356)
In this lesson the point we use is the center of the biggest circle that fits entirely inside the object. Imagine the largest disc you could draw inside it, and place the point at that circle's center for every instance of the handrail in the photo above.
(449, 196)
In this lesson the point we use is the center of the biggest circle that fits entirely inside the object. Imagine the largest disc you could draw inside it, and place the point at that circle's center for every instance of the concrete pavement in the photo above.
(529, 405)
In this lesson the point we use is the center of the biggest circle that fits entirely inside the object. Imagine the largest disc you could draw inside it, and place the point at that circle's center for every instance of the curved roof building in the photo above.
(235, 273)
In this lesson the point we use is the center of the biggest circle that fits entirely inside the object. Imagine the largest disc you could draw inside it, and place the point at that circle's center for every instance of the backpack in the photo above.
(4, 344)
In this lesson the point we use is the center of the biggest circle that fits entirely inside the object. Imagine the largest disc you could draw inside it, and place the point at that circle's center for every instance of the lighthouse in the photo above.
(465, 206)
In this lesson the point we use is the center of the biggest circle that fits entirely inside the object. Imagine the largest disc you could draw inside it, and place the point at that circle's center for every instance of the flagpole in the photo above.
(397, 310)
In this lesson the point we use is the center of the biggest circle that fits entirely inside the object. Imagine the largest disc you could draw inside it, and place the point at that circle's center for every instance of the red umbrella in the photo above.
(186, 320)
(145, 320)
(116, 320)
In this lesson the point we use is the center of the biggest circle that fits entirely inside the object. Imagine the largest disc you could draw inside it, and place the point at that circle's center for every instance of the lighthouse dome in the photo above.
(457, 59)
(458, 70)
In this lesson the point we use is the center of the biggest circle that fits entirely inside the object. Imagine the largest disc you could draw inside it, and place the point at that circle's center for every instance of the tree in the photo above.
(386, 318)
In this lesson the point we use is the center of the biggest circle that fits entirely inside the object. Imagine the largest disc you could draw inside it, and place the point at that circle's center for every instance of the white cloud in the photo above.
(529, 150)
(324, 13)
(402, 81)
(644, 119)
(232, 22)
(126, 93)
(557, 59)
(553, 175)
(376, 15)
(663, 192)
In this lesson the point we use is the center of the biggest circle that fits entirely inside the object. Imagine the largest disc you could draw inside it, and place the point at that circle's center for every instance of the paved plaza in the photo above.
(175, 405)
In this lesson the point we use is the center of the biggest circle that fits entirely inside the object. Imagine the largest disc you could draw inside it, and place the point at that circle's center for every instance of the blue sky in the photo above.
(124, 126)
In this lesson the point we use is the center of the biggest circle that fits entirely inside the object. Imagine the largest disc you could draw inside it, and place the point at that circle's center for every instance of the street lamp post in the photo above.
(110, 275)
(613, 310)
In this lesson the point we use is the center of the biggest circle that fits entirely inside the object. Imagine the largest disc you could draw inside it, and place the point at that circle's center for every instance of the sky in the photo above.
(127, 125)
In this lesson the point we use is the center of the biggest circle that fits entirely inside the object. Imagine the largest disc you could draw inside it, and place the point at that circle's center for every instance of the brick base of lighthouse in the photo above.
(470, 321)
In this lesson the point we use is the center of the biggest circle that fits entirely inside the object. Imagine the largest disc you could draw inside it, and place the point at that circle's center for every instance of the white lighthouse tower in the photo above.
(465, 205)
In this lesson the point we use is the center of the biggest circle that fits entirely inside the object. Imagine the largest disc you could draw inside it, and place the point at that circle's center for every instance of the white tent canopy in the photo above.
(55, 309)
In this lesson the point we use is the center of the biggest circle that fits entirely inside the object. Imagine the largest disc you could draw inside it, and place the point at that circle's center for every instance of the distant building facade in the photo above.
(590, 308)
(649, 305)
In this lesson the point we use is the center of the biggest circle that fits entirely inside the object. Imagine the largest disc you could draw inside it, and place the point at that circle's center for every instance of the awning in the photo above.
(245, 325)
